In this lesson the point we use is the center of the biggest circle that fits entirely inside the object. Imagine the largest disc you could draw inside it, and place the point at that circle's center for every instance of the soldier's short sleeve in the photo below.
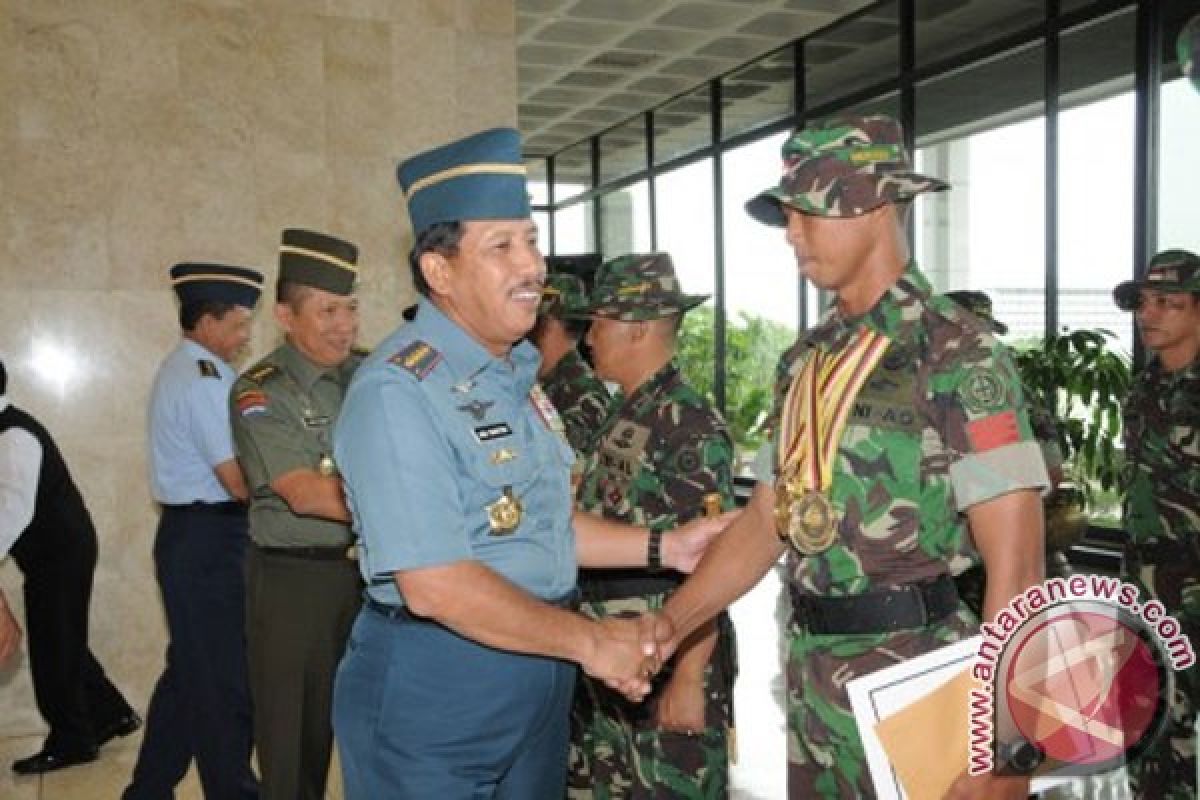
(207, 402)
(401, 476)
(984, 423)
(267, 432)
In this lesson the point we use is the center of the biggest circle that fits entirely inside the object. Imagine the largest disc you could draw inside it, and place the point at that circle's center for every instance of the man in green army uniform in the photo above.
(900, 451)
(662, 457)
(567, 379)
(303, 584)
(1162, 492)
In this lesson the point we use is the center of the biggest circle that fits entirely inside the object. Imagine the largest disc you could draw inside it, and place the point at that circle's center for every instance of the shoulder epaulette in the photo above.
(260, 373)
(207, 368)
(418, 357)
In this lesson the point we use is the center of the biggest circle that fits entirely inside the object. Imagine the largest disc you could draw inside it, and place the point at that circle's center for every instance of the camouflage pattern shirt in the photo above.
(658, 455)
(581, 399)
(940, 425)
(1162, 455)
(282, 410)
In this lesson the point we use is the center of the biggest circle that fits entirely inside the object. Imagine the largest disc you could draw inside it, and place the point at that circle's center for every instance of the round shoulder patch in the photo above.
(687, 459)
(983, 390)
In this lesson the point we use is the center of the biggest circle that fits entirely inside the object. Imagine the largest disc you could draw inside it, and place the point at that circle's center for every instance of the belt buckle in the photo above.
(352, 552)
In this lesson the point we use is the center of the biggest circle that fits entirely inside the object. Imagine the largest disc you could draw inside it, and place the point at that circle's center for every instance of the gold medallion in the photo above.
(805, 519)
(504, 515)
(326, 466)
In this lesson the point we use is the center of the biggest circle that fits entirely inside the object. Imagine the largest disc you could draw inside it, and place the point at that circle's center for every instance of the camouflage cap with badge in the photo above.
(1169, 271)
(639, 287)
(842, 167)
(563, 297)
(979, 304)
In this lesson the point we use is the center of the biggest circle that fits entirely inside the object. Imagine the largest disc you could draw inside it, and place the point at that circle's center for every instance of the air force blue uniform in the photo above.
(201, 704)
(433, 431)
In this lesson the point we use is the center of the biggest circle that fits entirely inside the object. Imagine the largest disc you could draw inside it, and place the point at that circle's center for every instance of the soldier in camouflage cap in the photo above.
(1162, 492)
(900, 453)
(568, 380)
(640, 287)
(663, 457)
(979, 304)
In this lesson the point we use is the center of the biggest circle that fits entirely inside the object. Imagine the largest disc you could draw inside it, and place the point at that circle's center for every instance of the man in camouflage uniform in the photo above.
(303, 585)
(935, 444)
(663, 456)
(568, 380)
(1162, 486)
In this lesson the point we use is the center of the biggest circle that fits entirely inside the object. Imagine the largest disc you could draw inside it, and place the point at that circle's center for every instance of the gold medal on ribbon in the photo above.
(504, 515)
(326, 466)
(815, 412)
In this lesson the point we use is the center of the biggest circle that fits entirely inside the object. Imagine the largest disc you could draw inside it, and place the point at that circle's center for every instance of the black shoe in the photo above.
(50, 760)
(123, 725)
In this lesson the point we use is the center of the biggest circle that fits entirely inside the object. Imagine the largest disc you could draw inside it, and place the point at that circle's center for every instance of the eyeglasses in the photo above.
(1169, 301)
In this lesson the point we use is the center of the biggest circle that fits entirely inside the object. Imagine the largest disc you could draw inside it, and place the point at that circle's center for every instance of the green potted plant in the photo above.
(1079, 380)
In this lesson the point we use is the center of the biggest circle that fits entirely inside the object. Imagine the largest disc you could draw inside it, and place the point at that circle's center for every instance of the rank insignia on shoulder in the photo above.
(261, 373)
(207, 368)
(419, 358)
(251, 401)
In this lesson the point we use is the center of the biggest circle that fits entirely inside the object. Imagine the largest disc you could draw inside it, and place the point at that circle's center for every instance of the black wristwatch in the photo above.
(654, 550)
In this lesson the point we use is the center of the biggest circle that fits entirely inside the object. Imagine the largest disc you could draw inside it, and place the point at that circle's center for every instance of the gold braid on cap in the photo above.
(464, 169)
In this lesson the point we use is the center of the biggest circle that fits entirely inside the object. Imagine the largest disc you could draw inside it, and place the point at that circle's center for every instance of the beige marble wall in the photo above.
(138, 133)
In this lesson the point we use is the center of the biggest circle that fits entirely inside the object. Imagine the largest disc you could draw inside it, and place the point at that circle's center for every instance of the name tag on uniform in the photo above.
(497, 430)
(316, 421)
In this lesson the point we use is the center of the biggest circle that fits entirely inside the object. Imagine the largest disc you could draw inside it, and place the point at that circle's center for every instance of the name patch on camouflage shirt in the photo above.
(619, 456)
(886, 399)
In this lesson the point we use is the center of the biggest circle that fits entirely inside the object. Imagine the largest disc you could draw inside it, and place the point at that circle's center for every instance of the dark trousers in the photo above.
(424, 714)
(72, 692)
(298, 615)
(201, 705)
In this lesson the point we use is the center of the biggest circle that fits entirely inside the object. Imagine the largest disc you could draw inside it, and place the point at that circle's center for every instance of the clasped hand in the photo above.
(628, 652)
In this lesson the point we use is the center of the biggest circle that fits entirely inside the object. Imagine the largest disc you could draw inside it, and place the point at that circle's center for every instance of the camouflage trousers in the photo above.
(619, 753)
(1167, 770)
(825, 753)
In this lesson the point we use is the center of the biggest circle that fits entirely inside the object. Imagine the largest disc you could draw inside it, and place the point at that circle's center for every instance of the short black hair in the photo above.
(291, 293)
(3, 378)
(440, 237)
(190, 313)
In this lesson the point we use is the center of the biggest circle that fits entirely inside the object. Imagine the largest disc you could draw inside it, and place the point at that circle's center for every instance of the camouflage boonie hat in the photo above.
(979, 304)
(563, 297)
(1187, 47)
(1169, 271)
(638, 287)
(842, 167)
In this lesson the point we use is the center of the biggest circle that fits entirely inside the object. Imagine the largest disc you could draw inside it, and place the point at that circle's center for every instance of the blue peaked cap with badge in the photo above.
(479, 177)
(197, 283)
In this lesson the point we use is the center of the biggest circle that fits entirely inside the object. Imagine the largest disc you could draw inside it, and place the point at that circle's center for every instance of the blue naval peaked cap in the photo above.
(196, 283)
(479, 177)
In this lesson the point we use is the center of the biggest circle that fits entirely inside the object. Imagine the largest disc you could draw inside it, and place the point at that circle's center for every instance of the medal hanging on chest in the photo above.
(815, 412)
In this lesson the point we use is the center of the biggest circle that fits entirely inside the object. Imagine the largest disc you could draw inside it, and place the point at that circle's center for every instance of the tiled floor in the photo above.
(758, 775)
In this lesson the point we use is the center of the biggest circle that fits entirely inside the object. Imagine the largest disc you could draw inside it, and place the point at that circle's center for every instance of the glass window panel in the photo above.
(988, 232)
(758, 94)
(684, 207)
(1095, 239)
(888, 104)
(683, 126)
(625, 217)
(761, 294)
(542, 220)
(860, 52)
(623, 150)
(572, 171)
(947, 27)
(1179, 164)
(535, 175)
(574, 231)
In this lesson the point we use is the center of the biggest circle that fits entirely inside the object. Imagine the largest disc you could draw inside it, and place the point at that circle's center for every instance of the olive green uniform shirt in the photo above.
(283, 411)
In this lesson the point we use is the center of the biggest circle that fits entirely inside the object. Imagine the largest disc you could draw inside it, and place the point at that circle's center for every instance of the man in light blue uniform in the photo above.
(457, 677)
(201, 706)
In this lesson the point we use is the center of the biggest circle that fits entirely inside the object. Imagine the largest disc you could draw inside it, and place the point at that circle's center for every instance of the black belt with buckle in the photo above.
(402, 614)
(343, 552)
(231, 508)
(914, 605)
